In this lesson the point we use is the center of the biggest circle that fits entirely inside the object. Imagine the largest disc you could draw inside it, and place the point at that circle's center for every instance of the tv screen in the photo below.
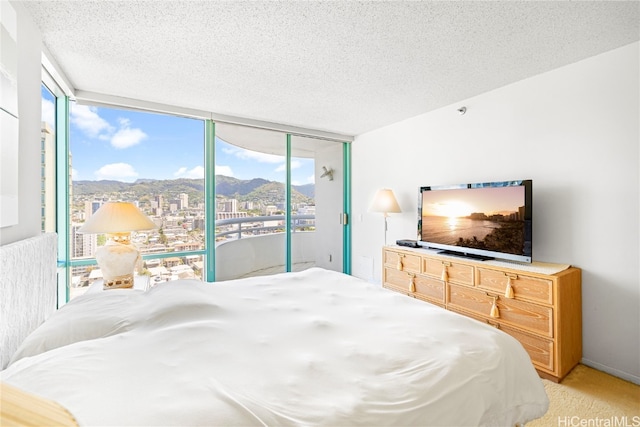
(484, 220)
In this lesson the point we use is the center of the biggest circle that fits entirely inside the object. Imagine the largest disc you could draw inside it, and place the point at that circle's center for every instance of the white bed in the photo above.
(305, 349)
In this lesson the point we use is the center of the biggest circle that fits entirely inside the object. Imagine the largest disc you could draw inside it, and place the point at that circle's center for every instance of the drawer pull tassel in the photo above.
(495, 313)
(444, 276)
(508, 293)
(400, 266)
(412, 283)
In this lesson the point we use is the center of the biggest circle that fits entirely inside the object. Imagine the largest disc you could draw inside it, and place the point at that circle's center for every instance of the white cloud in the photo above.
(74, 175)
(88, 121)
(258, 157)
(244, 154)
(49, 112)
(295, 164)
(117, 171)
(127, 137)
(308, 180)
(195, 173)
(224, 170)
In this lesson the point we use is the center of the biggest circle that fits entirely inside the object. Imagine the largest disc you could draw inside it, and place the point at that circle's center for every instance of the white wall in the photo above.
(575, 132)
(29, 106)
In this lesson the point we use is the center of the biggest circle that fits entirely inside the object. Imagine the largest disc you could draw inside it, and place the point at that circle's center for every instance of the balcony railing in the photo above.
(296, 220)
(241, 249)
(262, 248)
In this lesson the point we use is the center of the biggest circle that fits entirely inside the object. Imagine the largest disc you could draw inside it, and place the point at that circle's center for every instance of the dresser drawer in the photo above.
(394, 288)
(525, 288)
(402, 261)
(429, 289)
(540, 349)
(475, 316)
(531, 317)
(398, 279)
(448, 271)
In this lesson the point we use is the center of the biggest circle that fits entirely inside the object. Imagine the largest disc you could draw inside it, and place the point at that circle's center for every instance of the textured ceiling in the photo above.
(340, 66)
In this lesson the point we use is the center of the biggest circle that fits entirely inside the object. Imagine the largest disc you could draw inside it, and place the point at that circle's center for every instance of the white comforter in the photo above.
(309, 348)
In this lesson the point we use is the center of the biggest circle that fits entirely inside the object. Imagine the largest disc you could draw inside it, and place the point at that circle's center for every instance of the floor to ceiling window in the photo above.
(48, 160)
(278, 201)
(155, 161)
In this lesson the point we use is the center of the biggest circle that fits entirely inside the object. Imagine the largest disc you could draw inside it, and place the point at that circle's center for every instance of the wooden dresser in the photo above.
(543, 311)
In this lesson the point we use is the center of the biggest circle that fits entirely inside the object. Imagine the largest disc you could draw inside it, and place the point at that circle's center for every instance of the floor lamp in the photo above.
(386, 203)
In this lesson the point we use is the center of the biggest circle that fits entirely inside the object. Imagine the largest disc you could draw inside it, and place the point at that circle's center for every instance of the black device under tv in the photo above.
(466, 255)
(408, 243)
(491, 220)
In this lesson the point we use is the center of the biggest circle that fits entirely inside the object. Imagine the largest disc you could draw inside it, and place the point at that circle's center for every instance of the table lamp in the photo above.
(385, 202)
(118, 258)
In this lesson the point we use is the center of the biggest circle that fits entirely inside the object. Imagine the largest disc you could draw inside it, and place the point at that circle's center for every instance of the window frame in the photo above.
(57, 84)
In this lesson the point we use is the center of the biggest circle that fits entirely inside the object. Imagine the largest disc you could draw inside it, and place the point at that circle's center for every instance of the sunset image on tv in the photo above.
(490, 218)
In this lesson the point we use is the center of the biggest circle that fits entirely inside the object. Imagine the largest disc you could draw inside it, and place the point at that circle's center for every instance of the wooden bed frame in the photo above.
(19, 408)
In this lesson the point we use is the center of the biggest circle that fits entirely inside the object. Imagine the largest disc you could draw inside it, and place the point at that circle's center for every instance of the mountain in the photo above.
(228, 186)
(269, 192)
(142, 187)
(308, 190)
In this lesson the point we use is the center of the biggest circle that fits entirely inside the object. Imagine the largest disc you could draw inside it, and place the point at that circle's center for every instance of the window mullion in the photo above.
(346, 232)
(287, 204)
(210, 200)
(63, 219)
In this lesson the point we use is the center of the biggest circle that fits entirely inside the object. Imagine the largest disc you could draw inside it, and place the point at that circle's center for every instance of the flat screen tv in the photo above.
(484, 221)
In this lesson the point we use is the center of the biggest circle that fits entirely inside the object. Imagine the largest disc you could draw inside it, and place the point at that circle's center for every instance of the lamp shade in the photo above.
(117, 217)
(385, 202)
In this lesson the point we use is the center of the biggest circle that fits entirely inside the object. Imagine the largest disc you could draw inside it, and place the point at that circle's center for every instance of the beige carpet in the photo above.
(588, 397)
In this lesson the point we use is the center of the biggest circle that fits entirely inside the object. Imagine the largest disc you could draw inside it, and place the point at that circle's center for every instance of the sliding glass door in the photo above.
(250, 182)
(319, 226)
(279, 202)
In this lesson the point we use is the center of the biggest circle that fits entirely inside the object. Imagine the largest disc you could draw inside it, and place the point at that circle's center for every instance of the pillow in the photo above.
(89, 316)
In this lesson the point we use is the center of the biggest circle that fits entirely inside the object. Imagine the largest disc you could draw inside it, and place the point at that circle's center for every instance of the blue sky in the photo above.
(127, 145)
